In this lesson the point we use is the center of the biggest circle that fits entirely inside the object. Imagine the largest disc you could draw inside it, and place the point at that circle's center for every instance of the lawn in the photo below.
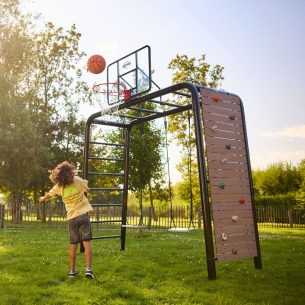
(158, 267)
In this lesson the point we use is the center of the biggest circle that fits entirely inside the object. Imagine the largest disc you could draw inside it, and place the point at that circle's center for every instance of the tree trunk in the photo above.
(43, 215)
(16, 208)
(2, 215)
(141, 208)
(151, 200)
(36, 200)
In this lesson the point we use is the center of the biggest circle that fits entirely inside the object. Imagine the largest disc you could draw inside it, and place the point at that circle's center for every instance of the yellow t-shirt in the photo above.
(73, 196)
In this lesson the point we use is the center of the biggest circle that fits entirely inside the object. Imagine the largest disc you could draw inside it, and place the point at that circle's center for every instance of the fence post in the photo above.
(290, 218)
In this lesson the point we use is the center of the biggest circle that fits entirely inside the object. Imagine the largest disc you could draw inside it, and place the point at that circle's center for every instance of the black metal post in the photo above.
(125, 192)
(258, 258)
(85, 161)
(209, 245)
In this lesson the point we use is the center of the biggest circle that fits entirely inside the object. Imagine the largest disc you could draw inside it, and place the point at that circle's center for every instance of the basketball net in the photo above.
(110, 96)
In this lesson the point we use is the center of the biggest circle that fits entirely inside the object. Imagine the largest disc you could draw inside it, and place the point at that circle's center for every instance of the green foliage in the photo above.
(300, 197)
(145, 156)
(146, 143)
(196, 71)
(41, 89)
(156, 268)
(284, 200)
(278, 178)
(188, 189)
(300, 194)
(301, 170)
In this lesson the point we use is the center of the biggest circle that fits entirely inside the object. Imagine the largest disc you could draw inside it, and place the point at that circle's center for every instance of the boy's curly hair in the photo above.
(63, 174)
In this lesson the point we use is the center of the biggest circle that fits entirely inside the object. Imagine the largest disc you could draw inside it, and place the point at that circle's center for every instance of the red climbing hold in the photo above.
(215, 98)
(242, 200)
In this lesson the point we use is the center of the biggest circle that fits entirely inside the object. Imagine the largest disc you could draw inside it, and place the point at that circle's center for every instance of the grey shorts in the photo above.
(80, 229)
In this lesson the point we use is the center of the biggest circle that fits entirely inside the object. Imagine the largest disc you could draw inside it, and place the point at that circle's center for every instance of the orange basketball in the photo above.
(96, 64)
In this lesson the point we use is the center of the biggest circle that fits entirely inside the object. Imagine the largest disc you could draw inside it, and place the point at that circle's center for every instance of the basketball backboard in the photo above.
(133, 71)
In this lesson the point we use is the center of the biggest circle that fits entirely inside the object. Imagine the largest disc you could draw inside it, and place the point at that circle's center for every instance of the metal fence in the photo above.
(54, 215)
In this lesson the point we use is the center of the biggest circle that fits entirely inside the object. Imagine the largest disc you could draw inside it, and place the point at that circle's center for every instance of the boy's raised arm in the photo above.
(44, 198)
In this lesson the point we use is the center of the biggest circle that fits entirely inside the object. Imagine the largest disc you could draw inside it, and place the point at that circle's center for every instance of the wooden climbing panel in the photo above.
(228, 174)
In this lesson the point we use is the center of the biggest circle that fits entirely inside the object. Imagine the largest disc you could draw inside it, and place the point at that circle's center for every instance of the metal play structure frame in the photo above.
(234, 225)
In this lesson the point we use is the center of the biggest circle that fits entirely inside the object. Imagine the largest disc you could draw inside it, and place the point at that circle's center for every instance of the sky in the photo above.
(260, 44)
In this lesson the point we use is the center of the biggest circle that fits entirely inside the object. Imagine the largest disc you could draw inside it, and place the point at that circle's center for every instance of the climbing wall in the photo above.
(227, 167)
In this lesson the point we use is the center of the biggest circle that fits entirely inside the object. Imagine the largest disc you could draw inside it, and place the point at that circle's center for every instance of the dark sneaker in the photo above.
(89, 274)
(72, 273)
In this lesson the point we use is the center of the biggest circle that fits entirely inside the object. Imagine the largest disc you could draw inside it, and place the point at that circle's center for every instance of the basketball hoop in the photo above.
(110, 96)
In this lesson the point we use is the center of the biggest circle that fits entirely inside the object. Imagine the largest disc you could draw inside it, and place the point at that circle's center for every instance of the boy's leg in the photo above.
(88, 254)
(72, 256)
(86, 233)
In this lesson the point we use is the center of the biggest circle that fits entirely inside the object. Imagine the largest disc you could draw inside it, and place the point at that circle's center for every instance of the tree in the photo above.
(300, 194)
(19, 134)
(277, 178)
(56, 90)
(301, 170)
(181, 125)
(42, 90)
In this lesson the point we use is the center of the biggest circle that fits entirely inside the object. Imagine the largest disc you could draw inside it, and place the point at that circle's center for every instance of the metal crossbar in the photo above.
(106, 237)
(104, 143)
(106, 189)
(105, 159)
(105, 174)
(106, 221)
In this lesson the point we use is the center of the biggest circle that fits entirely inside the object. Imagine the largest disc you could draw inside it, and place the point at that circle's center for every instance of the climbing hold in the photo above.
(235, 218)
(223, 161)
(224, 236)
(221, 186)
(215, 98)
(242, 200)
(228, 146)
(232, 117)
(214, 128)
(234, 251)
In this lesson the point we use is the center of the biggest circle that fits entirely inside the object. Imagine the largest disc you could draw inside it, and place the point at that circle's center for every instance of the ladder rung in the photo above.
(104, 143)
(143, 110)
(106, 221)
(96, 205)
(165, 103)
(105, 237)
(105, 159)
(105, 189)
(129, 116)
(105, 174)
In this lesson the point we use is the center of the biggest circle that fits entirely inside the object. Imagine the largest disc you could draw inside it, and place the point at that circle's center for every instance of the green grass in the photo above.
(156, 268)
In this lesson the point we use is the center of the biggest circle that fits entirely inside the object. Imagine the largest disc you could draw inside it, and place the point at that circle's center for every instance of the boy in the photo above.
(72, 190)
